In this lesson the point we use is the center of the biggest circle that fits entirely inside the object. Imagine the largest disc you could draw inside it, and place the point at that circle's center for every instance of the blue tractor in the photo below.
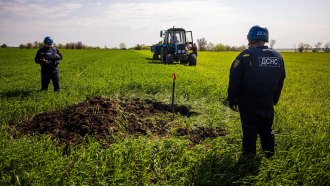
(177, 45)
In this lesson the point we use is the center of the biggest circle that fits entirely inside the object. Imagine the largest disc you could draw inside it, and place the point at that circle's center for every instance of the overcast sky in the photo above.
(110, 22)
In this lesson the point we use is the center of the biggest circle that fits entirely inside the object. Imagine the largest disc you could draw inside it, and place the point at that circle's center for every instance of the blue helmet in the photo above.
(48, 40)
(258, 33)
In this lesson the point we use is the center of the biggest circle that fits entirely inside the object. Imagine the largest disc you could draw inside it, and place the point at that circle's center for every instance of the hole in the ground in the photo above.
(103, 118)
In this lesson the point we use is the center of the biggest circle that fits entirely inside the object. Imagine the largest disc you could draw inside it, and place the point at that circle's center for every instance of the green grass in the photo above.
(301, 122)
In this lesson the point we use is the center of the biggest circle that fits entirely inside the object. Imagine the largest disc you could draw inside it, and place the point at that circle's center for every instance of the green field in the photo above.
(302, 122)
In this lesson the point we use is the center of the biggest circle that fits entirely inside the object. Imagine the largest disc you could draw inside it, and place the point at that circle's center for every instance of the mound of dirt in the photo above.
(105, 118)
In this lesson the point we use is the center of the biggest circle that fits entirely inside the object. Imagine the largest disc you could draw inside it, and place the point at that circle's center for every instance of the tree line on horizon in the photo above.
(70, 45)
(202, 44)
(76, 45)
(304, 47)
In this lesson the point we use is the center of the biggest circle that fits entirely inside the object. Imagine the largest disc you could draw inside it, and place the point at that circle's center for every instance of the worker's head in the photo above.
(48, 41)
(258, 34)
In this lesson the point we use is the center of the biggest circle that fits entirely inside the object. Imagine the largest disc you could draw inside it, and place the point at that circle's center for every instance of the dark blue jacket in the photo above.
(48, 54)
(256, 78)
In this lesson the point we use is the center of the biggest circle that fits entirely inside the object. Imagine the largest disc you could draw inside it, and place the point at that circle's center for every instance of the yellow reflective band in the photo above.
(246, 55)
(236, 63)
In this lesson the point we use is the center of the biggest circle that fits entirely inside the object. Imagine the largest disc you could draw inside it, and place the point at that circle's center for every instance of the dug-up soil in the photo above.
(104, 119)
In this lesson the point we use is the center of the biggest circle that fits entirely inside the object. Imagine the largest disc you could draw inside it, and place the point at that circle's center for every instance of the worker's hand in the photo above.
(45, 61)
(233, 106)
(57, 56)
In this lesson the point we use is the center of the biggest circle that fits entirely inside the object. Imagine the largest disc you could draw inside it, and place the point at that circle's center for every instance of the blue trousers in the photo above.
(50, 74)
(254, 123)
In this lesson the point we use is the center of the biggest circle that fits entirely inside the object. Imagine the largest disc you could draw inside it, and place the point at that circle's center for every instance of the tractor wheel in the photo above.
(155, 56)
(169, 59)
(163, 54)
(192, 60)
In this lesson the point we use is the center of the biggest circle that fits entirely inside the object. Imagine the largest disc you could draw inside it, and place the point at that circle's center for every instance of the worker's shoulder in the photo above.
(245, 53)
(262, 51)
(41, 50)
(274, 52)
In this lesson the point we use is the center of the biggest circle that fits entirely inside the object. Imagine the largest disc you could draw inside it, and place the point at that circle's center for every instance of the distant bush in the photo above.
(326, 47)
(21, 46)
(38, 44)
(317, 47)
(141, 47)
(202, 44)
(303, 47)
(29, 45)
(4, 46)
(222, 47)
(122, 46)
(77, 45)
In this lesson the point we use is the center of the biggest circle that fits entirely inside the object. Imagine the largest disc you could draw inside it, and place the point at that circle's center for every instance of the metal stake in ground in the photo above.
(173, 89)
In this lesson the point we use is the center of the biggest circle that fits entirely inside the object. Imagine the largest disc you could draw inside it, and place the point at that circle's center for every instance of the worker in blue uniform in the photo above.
(255, 84)
(49, 57)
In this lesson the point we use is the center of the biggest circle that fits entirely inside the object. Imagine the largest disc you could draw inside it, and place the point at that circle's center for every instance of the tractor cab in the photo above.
(175, 47)
(175, 37)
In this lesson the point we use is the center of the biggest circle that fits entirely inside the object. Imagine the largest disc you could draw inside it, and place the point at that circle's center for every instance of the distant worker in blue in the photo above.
(49, 57)
(255, 84)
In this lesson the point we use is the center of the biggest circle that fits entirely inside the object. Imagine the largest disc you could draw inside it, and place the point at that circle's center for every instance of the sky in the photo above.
(111, 22)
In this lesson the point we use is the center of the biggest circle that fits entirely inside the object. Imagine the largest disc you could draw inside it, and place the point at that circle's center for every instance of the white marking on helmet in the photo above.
(261, 33)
